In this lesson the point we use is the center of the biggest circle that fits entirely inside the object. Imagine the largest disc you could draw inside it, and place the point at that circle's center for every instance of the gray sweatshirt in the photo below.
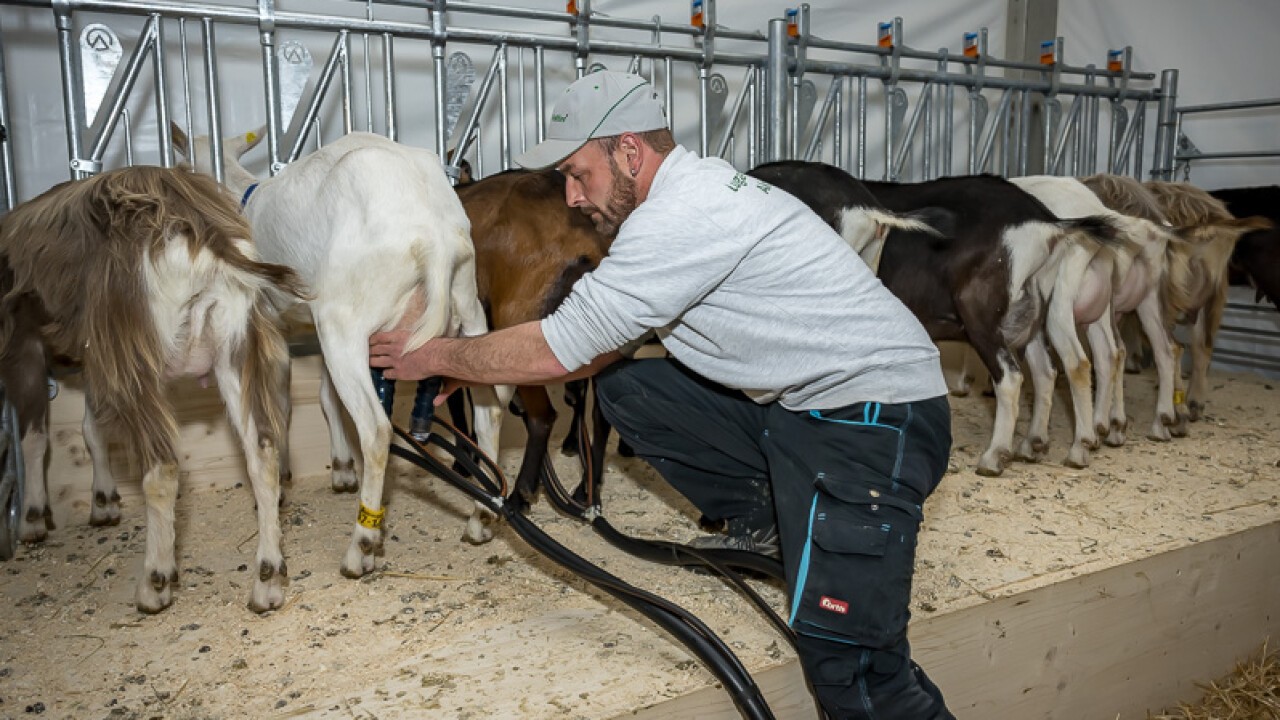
(749, 288)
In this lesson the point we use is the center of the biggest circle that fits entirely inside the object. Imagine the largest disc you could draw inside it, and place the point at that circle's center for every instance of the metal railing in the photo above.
(1185, 152)
(774, 114)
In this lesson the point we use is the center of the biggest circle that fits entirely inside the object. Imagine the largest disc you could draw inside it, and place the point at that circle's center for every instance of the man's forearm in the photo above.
(517, 355)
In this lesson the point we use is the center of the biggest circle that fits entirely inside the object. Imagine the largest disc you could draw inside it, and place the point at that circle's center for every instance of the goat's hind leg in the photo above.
(27, 390)
(487, 402)
(343, 474)
(262, 461)
(159, 568)
(346, 352)
(105, 508)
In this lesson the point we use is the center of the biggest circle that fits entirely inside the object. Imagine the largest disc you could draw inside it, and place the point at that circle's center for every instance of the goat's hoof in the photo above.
(992, 463)
(1031, 450)
(105, 510)
(35, 524)
(1179, 428)
(477, 535)
(365, 544)
(343, 478)
(569, 448)
(1077, 458)
(1159, 433)
(1195, 409)
(1090, 443)
(155, 591)
(356, 565)
(268, 590)
(1115, 438)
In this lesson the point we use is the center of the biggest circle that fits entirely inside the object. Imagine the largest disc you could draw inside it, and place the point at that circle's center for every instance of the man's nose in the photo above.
(573, 193)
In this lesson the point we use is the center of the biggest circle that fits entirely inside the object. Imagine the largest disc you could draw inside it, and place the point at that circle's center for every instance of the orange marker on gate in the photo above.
(1046, 52)
(793, 22)
(1115, 60)
(885, 39)
(971, 44)
(695, 14)
(571, 7)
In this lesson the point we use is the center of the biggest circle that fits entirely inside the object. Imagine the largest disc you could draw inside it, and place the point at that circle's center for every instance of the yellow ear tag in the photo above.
(251, 137)
(371, 519)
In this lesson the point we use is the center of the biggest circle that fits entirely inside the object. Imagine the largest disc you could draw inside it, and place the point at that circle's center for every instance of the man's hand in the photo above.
(386, 351)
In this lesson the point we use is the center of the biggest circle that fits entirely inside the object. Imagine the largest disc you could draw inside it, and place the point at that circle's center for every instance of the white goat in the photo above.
(1123, 278)
(378, 233)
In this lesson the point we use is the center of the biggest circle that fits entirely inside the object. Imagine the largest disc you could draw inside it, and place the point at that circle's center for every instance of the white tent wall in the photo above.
(1223, 51)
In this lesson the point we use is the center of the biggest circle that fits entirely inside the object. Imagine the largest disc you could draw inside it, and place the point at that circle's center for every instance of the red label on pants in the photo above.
(833, 605)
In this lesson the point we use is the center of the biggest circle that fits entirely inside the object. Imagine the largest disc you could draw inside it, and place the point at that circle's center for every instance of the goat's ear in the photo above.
(180, 141)
(237, 146)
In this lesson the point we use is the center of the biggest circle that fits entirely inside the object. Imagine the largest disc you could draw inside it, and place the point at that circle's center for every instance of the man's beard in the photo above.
(621, 202)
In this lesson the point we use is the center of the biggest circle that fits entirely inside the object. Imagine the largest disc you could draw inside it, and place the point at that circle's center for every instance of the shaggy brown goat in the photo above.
(143, 275)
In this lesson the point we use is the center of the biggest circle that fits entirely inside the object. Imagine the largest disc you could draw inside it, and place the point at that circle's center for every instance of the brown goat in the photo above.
(1195, 291)
(530, 250)
(1213, 232)
(143, 275)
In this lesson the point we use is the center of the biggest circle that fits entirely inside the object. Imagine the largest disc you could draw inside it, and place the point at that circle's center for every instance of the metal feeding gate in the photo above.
(789, 94)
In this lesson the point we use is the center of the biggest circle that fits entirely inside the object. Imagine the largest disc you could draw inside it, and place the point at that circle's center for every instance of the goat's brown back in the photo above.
(1126, 196)
(530, 246)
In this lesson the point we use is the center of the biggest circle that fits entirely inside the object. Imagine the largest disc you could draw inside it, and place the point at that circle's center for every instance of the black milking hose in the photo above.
(686, 628)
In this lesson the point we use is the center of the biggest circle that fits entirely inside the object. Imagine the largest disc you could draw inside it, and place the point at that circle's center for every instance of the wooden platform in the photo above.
(1046, 593)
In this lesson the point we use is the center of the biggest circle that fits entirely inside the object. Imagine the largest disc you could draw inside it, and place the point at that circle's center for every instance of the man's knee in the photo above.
(617, 380)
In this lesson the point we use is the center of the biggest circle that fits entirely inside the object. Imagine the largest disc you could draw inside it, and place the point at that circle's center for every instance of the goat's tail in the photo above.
(436, 272)
(263, 359)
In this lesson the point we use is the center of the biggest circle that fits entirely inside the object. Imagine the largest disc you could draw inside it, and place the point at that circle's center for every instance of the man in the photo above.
(804, 405)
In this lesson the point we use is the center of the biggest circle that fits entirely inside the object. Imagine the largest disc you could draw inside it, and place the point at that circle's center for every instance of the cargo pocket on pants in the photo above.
(854, 580)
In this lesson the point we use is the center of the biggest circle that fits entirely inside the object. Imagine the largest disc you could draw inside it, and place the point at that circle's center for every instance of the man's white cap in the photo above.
(601, 104)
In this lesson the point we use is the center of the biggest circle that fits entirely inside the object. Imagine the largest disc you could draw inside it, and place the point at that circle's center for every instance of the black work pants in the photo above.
(845, 488)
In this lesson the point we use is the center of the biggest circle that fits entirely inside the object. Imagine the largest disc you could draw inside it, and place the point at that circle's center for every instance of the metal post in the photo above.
(438, 70)
(504, 112)
(704, 76)
(72, 100)
(348, 122)
(368, 72)
(162, 93)
(186, 80)
(213, 95)
(540, 92)
(6, 145)
(753, 119)
(776, 91)
(862, 126)
(1166, 118)
(271, 80)
(389, 83)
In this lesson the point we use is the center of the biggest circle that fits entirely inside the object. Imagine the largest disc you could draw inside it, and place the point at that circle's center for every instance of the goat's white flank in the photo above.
(378, 233)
